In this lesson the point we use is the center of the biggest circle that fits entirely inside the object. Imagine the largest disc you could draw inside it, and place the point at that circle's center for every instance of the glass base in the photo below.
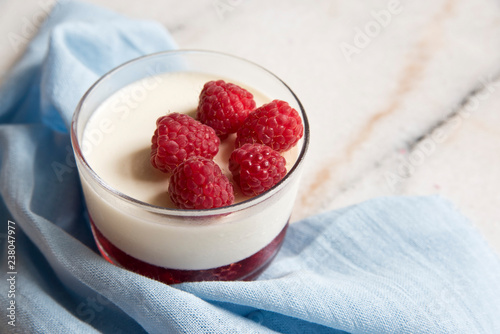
(244, 270)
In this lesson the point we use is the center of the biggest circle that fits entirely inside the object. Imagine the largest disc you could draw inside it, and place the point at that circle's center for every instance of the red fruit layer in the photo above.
(245, 270)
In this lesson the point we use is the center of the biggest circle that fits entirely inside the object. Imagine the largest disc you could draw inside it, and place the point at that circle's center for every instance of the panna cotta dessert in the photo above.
(137, 199)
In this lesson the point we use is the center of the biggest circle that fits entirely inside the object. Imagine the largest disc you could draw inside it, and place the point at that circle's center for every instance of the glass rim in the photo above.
(176, 211)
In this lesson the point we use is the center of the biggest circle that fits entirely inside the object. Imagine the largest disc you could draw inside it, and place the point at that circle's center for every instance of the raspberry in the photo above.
(224, 106)
(256, 168)
(198, 183)
(178, 137)
(275, 124)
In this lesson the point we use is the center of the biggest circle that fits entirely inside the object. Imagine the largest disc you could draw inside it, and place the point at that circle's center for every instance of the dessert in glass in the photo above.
(134, 221)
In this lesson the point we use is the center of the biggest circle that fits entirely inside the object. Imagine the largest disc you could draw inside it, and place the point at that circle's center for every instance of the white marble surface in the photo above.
(406, 104)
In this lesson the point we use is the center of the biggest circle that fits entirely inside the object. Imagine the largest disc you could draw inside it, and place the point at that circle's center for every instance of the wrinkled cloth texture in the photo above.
(389, 265)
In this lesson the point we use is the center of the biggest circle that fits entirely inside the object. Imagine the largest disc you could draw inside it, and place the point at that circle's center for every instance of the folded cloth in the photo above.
(389, 265)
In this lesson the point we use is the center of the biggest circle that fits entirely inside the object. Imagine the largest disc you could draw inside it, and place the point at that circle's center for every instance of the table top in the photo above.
(402, 96)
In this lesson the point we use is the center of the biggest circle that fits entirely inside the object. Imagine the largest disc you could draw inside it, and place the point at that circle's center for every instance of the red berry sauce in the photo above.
(244, 270)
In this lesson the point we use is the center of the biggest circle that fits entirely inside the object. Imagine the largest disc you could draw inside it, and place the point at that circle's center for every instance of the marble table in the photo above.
(403, 96)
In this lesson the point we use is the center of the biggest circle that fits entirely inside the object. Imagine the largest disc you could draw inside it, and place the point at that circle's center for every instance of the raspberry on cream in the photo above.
(256, 168)
(275, 124)
(178, 137)
(224, 106)
(198, 183)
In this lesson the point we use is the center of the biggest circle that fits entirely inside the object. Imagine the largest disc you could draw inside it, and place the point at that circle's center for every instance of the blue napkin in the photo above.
(389, 265)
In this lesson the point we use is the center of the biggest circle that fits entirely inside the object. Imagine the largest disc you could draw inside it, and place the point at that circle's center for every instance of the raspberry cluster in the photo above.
(185, 147)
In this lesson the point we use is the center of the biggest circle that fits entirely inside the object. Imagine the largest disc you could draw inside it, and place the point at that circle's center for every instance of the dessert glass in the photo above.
(236, 242)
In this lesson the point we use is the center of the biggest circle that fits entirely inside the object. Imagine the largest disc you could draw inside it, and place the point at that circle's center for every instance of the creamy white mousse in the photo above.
(116, 144)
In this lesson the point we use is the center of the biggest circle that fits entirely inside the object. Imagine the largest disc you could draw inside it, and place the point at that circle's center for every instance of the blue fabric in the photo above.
(389, 265)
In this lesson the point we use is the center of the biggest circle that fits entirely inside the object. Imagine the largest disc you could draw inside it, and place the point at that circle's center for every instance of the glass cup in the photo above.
(235, 242)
